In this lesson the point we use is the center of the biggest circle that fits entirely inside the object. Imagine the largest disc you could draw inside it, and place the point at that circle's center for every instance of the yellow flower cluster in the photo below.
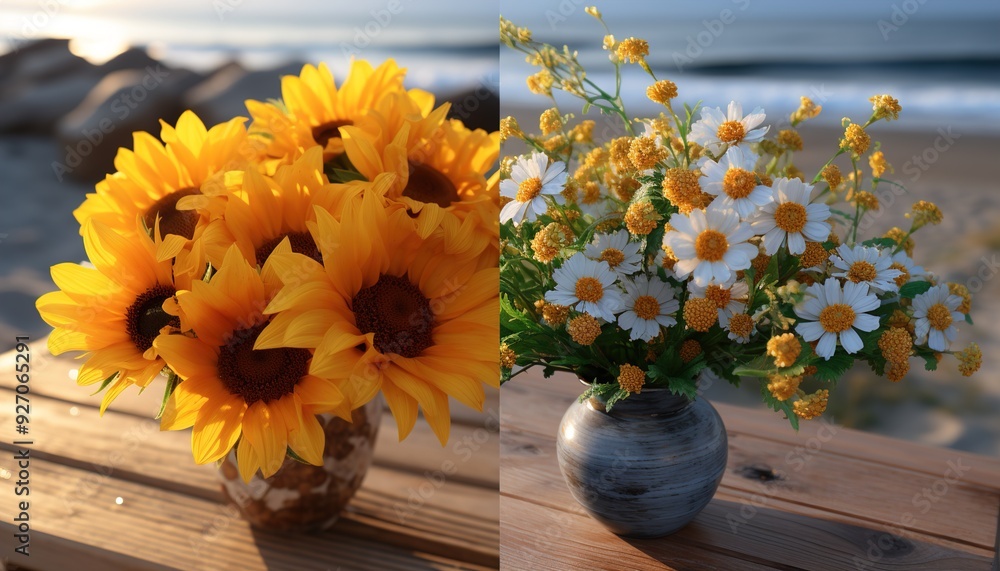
(810, 406)
(784, 387)
(584, 329)
(689, 351)
(970, 359)
(831, 174)
(550, 240)
(885, 107)
(856, 139)
(878, 164)
(807, 110)
(924, 213)
(700, 313)
(632, 50)
(662, 91)
(507, 357)
(631, 378)
(784, 348)
(641, 218)
(550, 121)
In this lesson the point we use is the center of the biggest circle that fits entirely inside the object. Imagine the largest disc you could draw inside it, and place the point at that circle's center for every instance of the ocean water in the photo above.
(446, 45)
(940, 59)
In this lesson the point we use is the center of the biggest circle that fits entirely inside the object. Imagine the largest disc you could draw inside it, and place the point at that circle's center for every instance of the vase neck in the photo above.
(649, 401)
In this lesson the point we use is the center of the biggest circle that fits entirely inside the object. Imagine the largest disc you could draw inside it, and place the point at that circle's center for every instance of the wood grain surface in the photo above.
(422, 506)
(825, 498)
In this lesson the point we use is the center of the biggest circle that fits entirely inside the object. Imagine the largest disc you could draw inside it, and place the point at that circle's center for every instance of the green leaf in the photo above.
(779, 406)
(880, 242)
(586, 107)
(686, 387)
(619, 395)
(760, 367)
(833, 369)
(291, 454)
(106, 382)
(172, 381)
(913, 289)
(968, 319)
(930, 361)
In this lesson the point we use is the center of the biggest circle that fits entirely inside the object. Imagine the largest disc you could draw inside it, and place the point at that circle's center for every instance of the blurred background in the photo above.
(77, 77)
(941, 60)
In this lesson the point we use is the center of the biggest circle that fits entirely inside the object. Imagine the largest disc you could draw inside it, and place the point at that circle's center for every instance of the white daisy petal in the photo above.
(851, 341)
(827, 345)
(809, 330)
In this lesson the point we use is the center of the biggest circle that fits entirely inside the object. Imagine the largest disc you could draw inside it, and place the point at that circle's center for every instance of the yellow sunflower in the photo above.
(390, 311)
(266, 400)
(263, 211)
(314, 108)
(114, 310)
(439, 176)
(171, 179)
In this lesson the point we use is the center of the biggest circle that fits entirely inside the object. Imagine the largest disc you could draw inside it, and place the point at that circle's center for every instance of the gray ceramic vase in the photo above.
(648, 467)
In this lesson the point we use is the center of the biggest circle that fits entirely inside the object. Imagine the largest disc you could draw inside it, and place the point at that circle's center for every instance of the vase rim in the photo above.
(644, 389)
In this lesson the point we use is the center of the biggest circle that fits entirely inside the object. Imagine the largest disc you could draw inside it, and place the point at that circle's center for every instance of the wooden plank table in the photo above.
(422, 506)
(826, 498)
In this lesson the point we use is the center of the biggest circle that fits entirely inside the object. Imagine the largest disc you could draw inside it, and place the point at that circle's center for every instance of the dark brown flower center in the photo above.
(145, 317)
(427, 184)
(323, 133)
(397, 313)
(260, 375)
(173, 221)
(302, 243)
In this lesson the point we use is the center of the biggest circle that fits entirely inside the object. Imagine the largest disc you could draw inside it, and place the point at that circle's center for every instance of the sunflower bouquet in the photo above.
(692, 242)
(343, 245)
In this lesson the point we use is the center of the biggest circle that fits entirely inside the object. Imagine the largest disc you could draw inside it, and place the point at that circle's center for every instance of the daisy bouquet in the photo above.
(692, 242)
(343, 245)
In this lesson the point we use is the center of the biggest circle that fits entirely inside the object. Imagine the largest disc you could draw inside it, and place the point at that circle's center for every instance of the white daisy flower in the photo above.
(935, 312)
(728, 298)
(531, 178)
(588, 286)
(710, 244)
(908, 269)
(829, 312)
(864, 264)
(649, 305)
(791, 216)
(740, 326)
(615, 249)
(733, 180)
(716, 129)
